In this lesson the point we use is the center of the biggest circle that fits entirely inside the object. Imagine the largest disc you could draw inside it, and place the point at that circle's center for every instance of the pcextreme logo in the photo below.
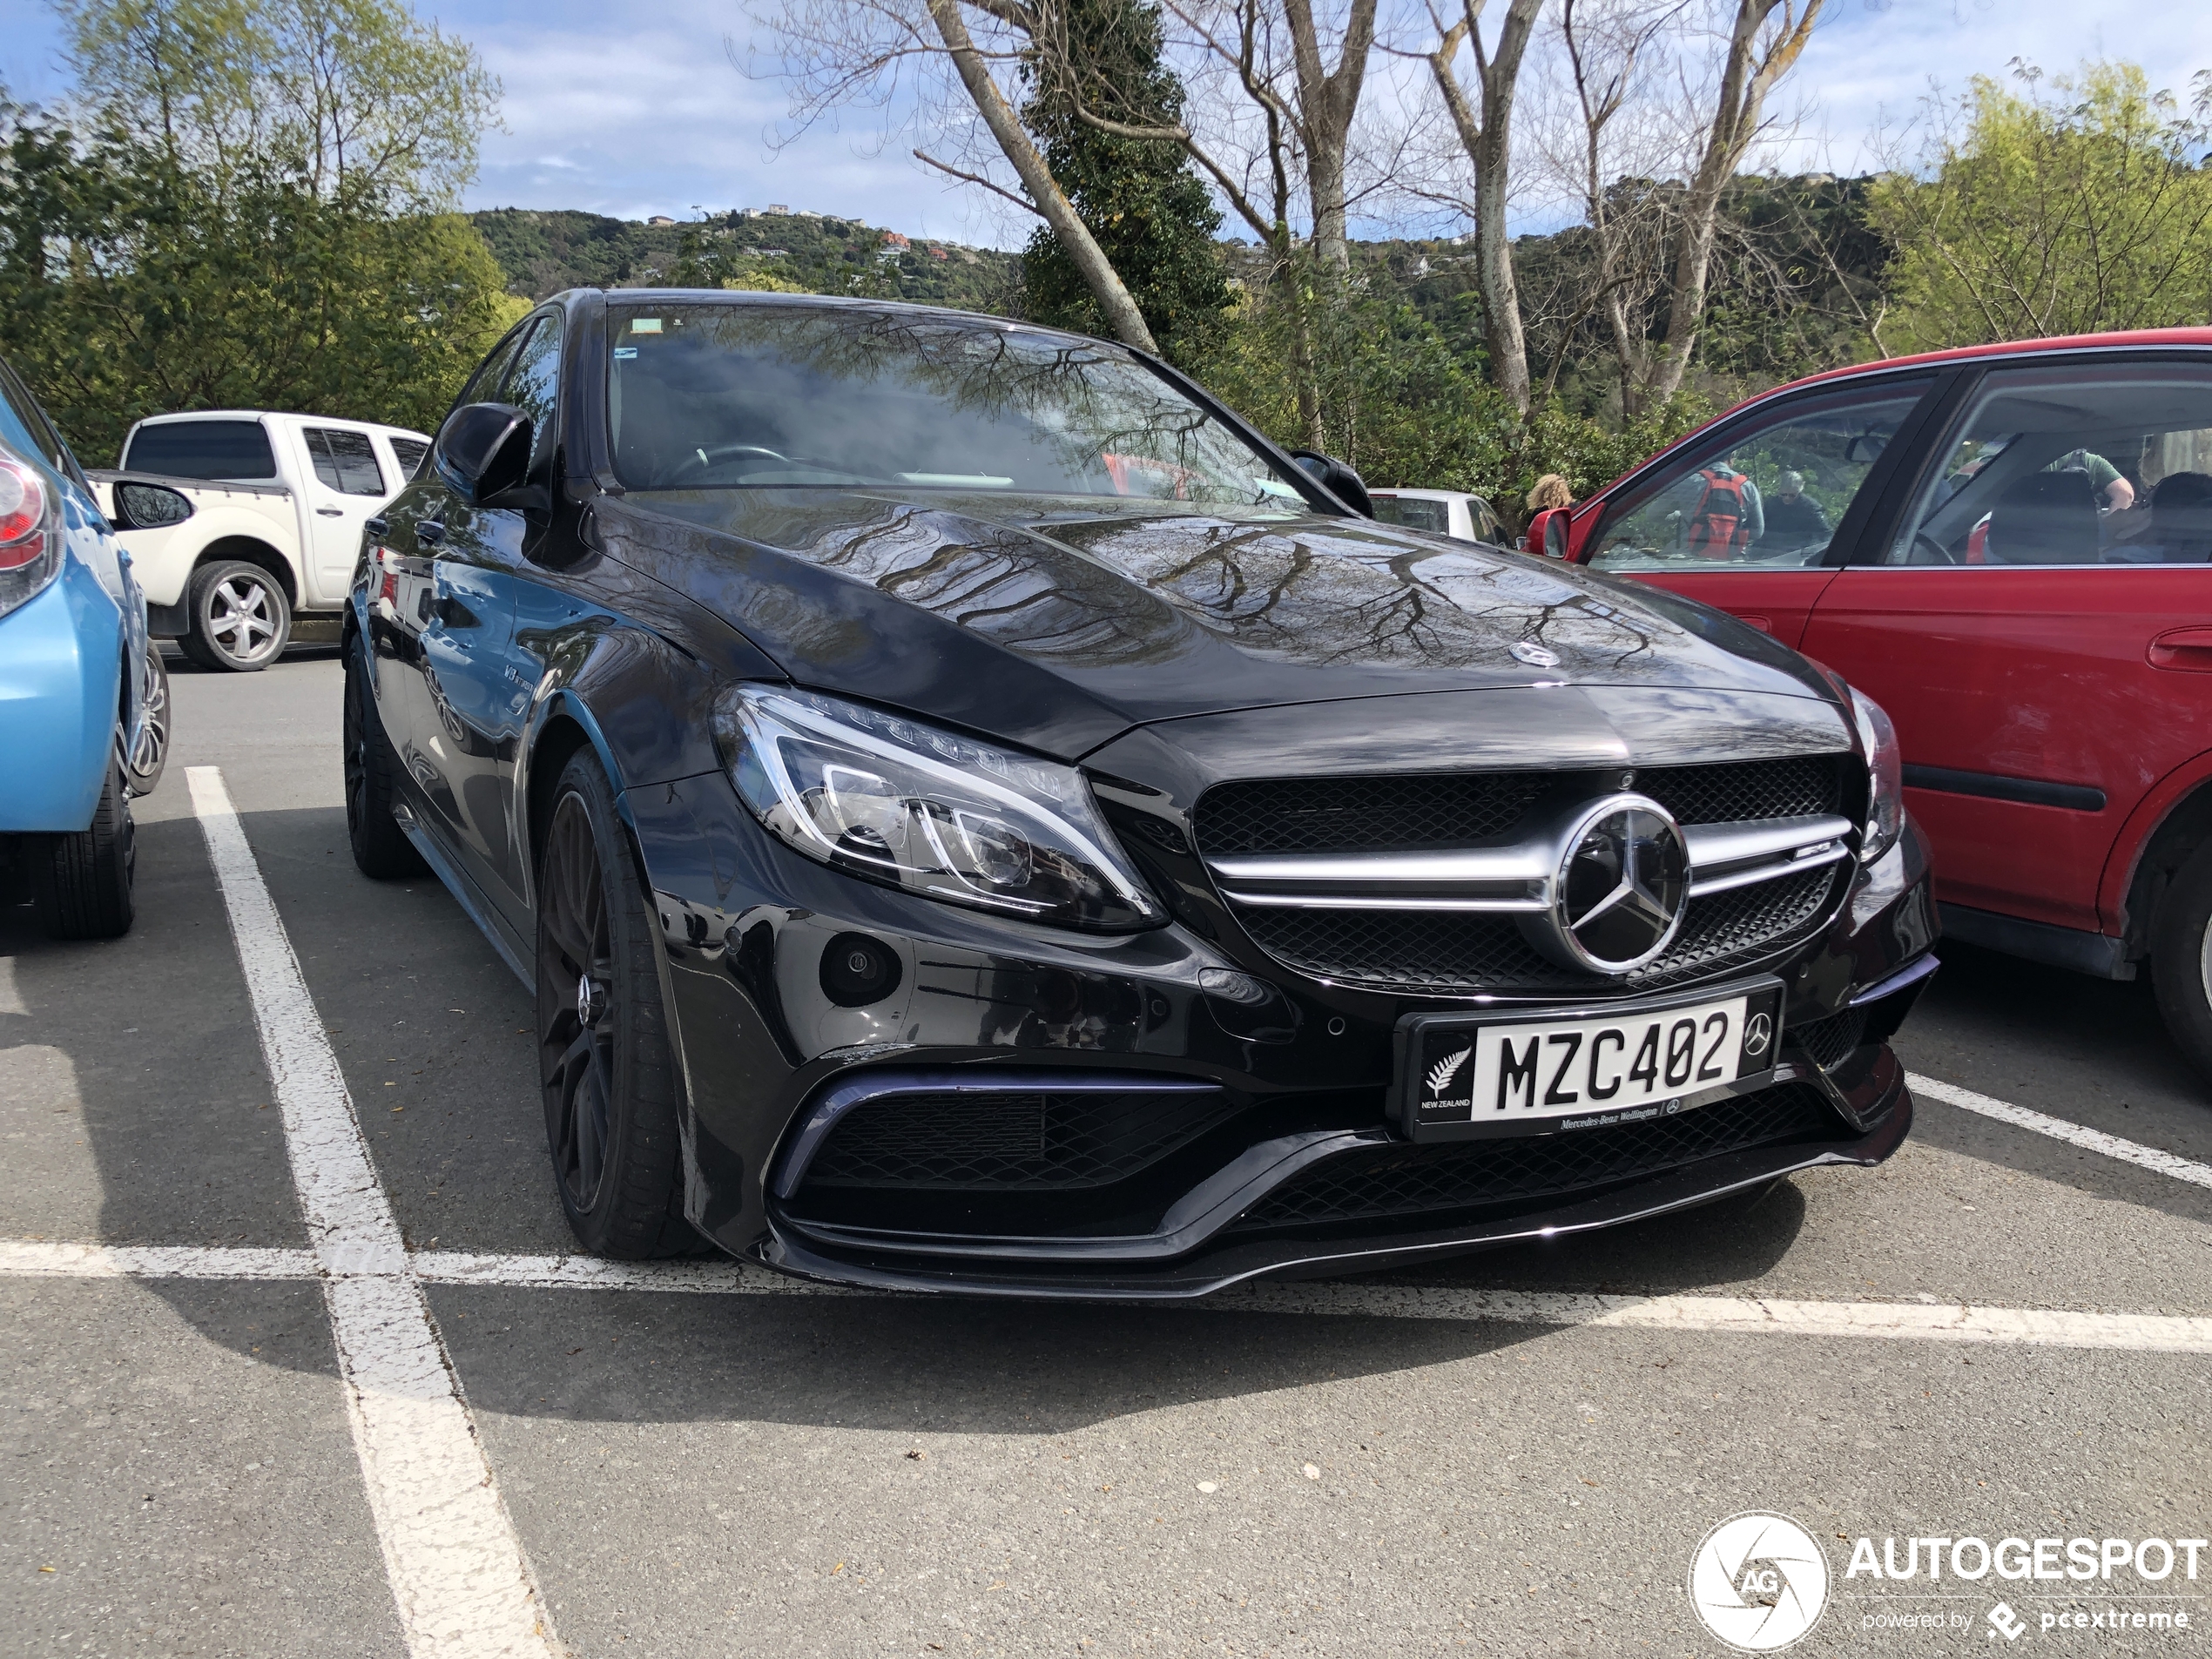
(1759, 1581)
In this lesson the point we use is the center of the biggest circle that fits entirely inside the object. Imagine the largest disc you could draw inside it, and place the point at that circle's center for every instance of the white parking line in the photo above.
(1743, 1315)
(457, 1570)
(2090, 1140)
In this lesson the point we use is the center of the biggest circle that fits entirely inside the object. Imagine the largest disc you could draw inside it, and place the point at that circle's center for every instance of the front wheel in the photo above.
(83, 883)
(2181, 959)
(239, 619)
(603, 1055)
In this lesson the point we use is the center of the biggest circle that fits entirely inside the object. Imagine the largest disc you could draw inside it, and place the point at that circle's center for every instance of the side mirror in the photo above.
(483, 453)
(149, 507)
(1338, 479)
(1547, 533)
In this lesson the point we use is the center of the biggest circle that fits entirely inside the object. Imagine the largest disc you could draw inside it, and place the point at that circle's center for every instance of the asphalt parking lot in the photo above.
(2001, 1332)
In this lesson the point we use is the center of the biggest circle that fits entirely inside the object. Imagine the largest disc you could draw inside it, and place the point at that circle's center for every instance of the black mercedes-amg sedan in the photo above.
(976, 816)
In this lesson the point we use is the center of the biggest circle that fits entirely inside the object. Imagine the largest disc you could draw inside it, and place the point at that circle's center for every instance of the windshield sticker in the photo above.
(645, 325)
(625, 351)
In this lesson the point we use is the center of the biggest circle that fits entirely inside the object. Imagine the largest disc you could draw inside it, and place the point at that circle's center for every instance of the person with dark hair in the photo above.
(1793, 518)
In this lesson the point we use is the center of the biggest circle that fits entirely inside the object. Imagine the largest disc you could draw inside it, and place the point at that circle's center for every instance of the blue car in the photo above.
(84, 697)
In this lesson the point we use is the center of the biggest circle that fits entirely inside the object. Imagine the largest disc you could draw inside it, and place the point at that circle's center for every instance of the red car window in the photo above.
(1769, 498)
(2102, 464)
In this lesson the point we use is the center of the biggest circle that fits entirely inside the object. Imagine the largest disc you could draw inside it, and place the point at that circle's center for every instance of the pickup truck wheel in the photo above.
(381, 849)
(237, 618)
(83, 883)
(609, 1078)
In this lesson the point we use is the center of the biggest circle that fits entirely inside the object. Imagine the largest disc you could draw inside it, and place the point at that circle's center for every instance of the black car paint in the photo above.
(1162, 648)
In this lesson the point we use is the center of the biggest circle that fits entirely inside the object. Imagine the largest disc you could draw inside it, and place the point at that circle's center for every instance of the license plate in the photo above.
(1463, 1076)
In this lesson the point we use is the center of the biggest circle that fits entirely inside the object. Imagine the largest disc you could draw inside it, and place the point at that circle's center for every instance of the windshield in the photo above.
(763, 396)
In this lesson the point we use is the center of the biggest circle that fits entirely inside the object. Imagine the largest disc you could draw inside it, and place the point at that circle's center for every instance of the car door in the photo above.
(344, 483)
(478, 690)
(2040, 626)
(416, 612)
(1755, 516)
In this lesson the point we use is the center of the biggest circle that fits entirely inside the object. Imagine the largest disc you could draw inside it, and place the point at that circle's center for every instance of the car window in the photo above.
(1414, 512)
(1767, 495)
(2083, 465)
(533, 386)
(408, 452)
(1486, 522)
(237, 449)
(21, 421)
(344, 461)
(483, 384)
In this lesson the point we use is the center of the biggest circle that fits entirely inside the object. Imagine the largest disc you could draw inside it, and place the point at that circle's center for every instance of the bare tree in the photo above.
(834, 52)
(1763, 43)
(1484, 123)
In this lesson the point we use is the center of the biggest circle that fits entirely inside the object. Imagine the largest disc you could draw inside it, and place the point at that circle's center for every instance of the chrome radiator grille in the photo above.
(1426, 885)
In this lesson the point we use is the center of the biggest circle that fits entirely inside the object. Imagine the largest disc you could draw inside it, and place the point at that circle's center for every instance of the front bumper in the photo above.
(1290, 1076)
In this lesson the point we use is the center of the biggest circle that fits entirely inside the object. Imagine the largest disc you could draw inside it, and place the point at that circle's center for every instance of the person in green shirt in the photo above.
(2113, 492)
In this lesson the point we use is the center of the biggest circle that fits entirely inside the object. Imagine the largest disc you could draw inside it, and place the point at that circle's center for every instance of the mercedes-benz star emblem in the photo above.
(1758, 1031)
(1526, 651)
(1622, 884)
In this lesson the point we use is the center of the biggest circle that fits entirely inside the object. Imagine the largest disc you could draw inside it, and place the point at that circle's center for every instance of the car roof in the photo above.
(2117, 341)
(256, 415)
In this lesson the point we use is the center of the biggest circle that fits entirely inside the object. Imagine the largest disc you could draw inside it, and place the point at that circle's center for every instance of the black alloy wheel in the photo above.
(604, 1057)
(381, 849)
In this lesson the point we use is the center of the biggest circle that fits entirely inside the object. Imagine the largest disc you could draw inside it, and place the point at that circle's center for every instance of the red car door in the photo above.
(2039, 629)
(1754, 517)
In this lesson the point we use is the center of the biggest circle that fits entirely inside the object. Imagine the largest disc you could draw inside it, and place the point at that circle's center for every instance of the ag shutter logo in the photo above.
(1759, 1581)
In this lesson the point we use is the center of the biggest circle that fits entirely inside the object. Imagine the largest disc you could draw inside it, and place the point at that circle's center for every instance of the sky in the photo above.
(637, 110)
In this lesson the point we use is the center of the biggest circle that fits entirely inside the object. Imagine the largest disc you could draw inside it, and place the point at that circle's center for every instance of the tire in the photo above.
(382, 851)
(83, 881)
(151, 757)
(609, 1078)
(2181, 959)
(237, 619)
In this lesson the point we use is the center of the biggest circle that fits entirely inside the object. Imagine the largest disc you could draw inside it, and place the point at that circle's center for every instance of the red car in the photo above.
(2009, 548)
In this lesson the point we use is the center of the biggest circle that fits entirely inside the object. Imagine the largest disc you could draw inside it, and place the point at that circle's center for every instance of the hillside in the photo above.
(541, 253)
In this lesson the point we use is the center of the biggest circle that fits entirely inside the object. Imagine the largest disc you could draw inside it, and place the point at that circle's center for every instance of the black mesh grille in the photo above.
(1829, 1041)
(1358, 814)
(1403, 1181)
(1444, 954)
(1008, 1142)
(1742, 791)
(1415, 812)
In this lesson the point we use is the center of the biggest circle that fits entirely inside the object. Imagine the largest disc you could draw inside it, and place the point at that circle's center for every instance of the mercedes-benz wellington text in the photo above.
(977, 816)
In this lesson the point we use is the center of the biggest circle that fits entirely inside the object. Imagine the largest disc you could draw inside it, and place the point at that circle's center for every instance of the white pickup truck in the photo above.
(266, 552)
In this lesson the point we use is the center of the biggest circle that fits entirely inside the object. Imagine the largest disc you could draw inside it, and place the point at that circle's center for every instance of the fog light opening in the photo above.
(858, 970)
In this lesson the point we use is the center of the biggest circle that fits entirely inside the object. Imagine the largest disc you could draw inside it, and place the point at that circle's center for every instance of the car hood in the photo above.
(1058, 624)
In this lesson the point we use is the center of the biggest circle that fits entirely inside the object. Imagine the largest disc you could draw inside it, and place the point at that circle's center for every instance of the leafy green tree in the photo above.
(130, 286)
(343, 93)
(2051, 210)
(1148, 212)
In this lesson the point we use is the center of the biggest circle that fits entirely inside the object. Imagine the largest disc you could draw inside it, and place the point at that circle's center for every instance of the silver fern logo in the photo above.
(1440, 1073)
